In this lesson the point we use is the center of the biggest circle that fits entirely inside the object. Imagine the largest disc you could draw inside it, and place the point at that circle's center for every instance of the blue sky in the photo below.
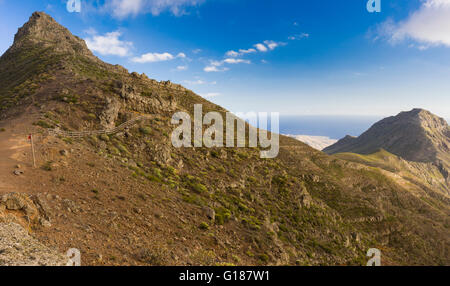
(321, 57)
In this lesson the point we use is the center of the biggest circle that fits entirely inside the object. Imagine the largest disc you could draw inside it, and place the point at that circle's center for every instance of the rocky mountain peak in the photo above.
(416, 135)
(43, 31)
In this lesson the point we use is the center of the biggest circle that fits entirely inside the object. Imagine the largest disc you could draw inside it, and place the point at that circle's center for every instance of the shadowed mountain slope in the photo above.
(417, 135)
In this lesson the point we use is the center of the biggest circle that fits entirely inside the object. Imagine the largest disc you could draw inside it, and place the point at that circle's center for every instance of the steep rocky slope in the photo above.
(421, 176)
(131, 198)
(417, 135)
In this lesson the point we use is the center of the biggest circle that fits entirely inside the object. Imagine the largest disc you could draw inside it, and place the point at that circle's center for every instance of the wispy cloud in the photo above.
(125, 8)
(199, 81)
(213, 68)
(216, 66)
(428, 26)
(259, 47)
(194, 82)
(108, 44)
(236, 61)
(240, 52)
(298, 36)
(156, 57)
(182, 68)
(211, 94)
(262, 48)
(232, 55)
(268, 46)
(272, 45)
(248, 51)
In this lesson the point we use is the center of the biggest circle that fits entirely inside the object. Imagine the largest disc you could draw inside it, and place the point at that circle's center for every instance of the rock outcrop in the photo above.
(18, 248)
(18, 212)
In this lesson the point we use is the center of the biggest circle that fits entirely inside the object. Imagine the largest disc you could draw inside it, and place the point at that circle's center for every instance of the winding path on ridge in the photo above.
(15, 148)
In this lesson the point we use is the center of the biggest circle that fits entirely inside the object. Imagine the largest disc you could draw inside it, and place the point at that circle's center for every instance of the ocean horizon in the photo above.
(333, 127)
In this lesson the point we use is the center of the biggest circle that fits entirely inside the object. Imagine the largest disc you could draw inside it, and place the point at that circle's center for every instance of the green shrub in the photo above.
(68, 140)
(222, 215)
(145, 130)
(2, 129)
(114, 150)
(220, 169)
(43, 124)
(157, 173)
(194, 185)
(215, 154)
(171, 170)
(122, 148)
(47, 166)
(198, 188)
(153, 178)
(263, 257)
(204, 226)
(104, 137)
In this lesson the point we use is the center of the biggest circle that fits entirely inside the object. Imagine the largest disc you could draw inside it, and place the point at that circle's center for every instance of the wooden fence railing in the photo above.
(79, 134)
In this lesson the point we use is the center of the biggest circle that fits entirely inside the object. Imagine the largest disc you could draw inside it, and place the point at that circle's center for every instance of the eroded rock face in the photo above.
(135, 99)
(305, 199)
(110, 113)
(20, 202)
(18, 248)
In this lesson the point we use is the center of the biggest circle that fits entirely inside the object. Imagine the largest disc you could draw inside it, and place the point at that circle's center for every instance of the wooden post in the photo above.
(32, 151)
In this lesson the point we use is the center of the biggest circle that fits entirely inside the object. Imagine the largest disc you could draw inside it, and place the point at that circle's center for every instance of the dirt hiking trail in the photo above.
(15, 155)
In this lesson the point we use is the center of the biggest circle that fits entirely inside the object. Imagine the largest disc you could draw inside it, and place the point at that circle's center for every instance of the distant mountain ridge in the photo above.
(416, 135)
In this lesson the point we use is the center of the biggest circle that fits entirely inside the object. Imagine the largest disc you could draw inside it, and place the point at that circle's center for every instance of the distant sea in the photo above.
(334, 127)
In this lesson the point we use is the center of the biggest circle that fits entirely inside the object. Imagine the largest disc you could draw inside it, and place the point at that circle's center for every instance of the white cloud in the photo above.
(268, 45)
(90, 31)
(240, 53)
(213, 68)
(182, 68)
(232, 54)
(156, 57)
(248, 51)
(428, 26)
(260, 47)
(299, 36)
(124, 8)
(109, 44)
(273, 45)
(216, 63)
(236, 61)
(195, 82)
